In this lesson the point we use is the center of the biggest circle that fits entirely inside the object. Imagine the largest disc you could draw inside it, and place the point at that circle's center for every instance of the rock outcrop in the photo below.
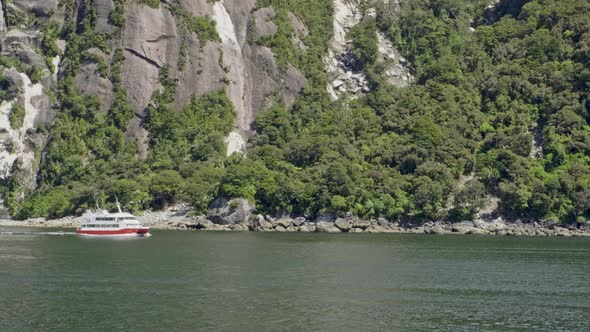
(45, 8)
(263, 24)
(25, 108)
(230, 212)
(326, 227)
(346, 16)
(20, 141)
(345, 77)
(397, 71)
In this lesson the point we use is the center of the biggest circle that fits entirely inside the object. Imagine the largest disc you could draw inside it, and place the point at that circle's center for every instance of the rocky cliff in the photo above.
(405, 110)
(152, 35)
(346, 78)
(26, 80)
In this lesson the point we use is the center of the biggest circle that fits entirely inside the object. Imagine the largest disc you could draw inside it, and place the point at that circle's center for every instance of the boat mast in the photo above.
(118, 204)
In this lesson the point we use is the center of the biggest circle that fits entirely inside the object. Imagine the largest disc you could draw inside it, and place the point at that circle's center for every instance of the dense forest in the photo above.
(499, 108)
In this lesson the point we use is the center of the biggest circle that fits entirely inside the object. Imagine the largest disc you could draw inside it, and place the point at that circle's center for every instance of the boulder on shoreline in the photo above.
(326, 227)
(343, 224)
(260, 224)
(307, 228)
(178, 218)
(362, 224)
(299, 221)
(283, 222)
(230, 212)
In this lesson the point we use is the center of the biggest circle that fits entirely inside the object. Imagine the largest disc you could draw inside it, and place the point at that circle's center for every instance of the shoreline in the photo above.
(177, 221)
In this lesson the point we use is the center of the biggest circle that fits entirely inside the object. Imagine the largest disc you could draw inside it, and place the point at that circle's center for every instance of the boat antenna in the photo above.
(118, 204)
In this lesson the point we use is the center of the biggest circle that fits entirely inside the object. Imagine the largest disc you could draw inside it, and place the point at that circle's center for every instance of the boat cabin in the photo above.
(111, 220)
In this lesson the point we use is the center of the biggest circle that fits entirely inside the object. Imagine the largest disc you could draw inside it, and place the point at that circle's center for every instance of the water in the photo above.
(179, 281)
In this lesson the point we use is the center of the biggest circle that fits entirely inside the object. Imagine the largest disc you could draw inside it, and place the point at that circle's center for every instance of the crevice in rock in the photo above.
(143, 57)
(160, 38)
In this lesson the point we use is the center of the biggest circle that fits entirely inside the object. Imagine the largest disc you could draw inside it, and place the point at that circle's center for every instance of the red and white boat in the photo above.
(104, 223)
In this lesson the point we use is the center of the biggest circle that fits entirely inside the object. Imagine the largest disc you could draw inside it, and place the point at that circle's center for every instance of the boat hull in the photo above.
(129, 232)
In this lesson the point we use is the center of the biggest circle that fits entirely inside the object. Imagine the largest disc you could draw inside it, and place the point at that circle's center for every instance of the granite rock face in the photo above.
(263, 24)
(45, 7)
(230, 212)
(346, 78)
(21, 142)
(150, 39)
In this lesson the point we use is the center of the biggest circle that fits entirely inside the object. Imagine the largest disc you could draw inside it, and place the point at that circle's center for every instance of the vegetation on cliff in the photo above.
(500, 100)
(499, 108)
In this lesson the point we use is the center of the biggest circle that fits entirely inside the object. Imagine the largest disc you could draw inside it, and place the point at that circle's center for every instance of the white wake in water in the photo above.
(37, 233)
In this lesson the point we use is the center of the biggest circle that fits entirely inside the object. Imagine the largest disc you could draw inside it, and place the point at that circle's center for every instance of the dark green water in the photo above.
(181, 281)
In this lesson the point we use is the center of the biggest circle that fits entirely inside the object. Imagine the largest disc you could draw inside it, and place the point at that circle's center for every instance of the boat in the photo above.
(104, 223)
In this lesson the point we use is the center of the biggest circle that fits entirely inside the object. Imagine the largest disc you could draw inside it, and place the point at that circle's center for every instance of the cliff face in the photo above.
(143, 99)
(345, 77)
(25, 106)
(153, 37)
(150, 39)
(204, 45)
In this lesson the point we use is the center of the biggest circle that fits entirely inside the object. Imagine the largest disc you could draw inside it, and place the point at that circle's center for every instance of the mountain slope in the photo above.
(416, 110)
